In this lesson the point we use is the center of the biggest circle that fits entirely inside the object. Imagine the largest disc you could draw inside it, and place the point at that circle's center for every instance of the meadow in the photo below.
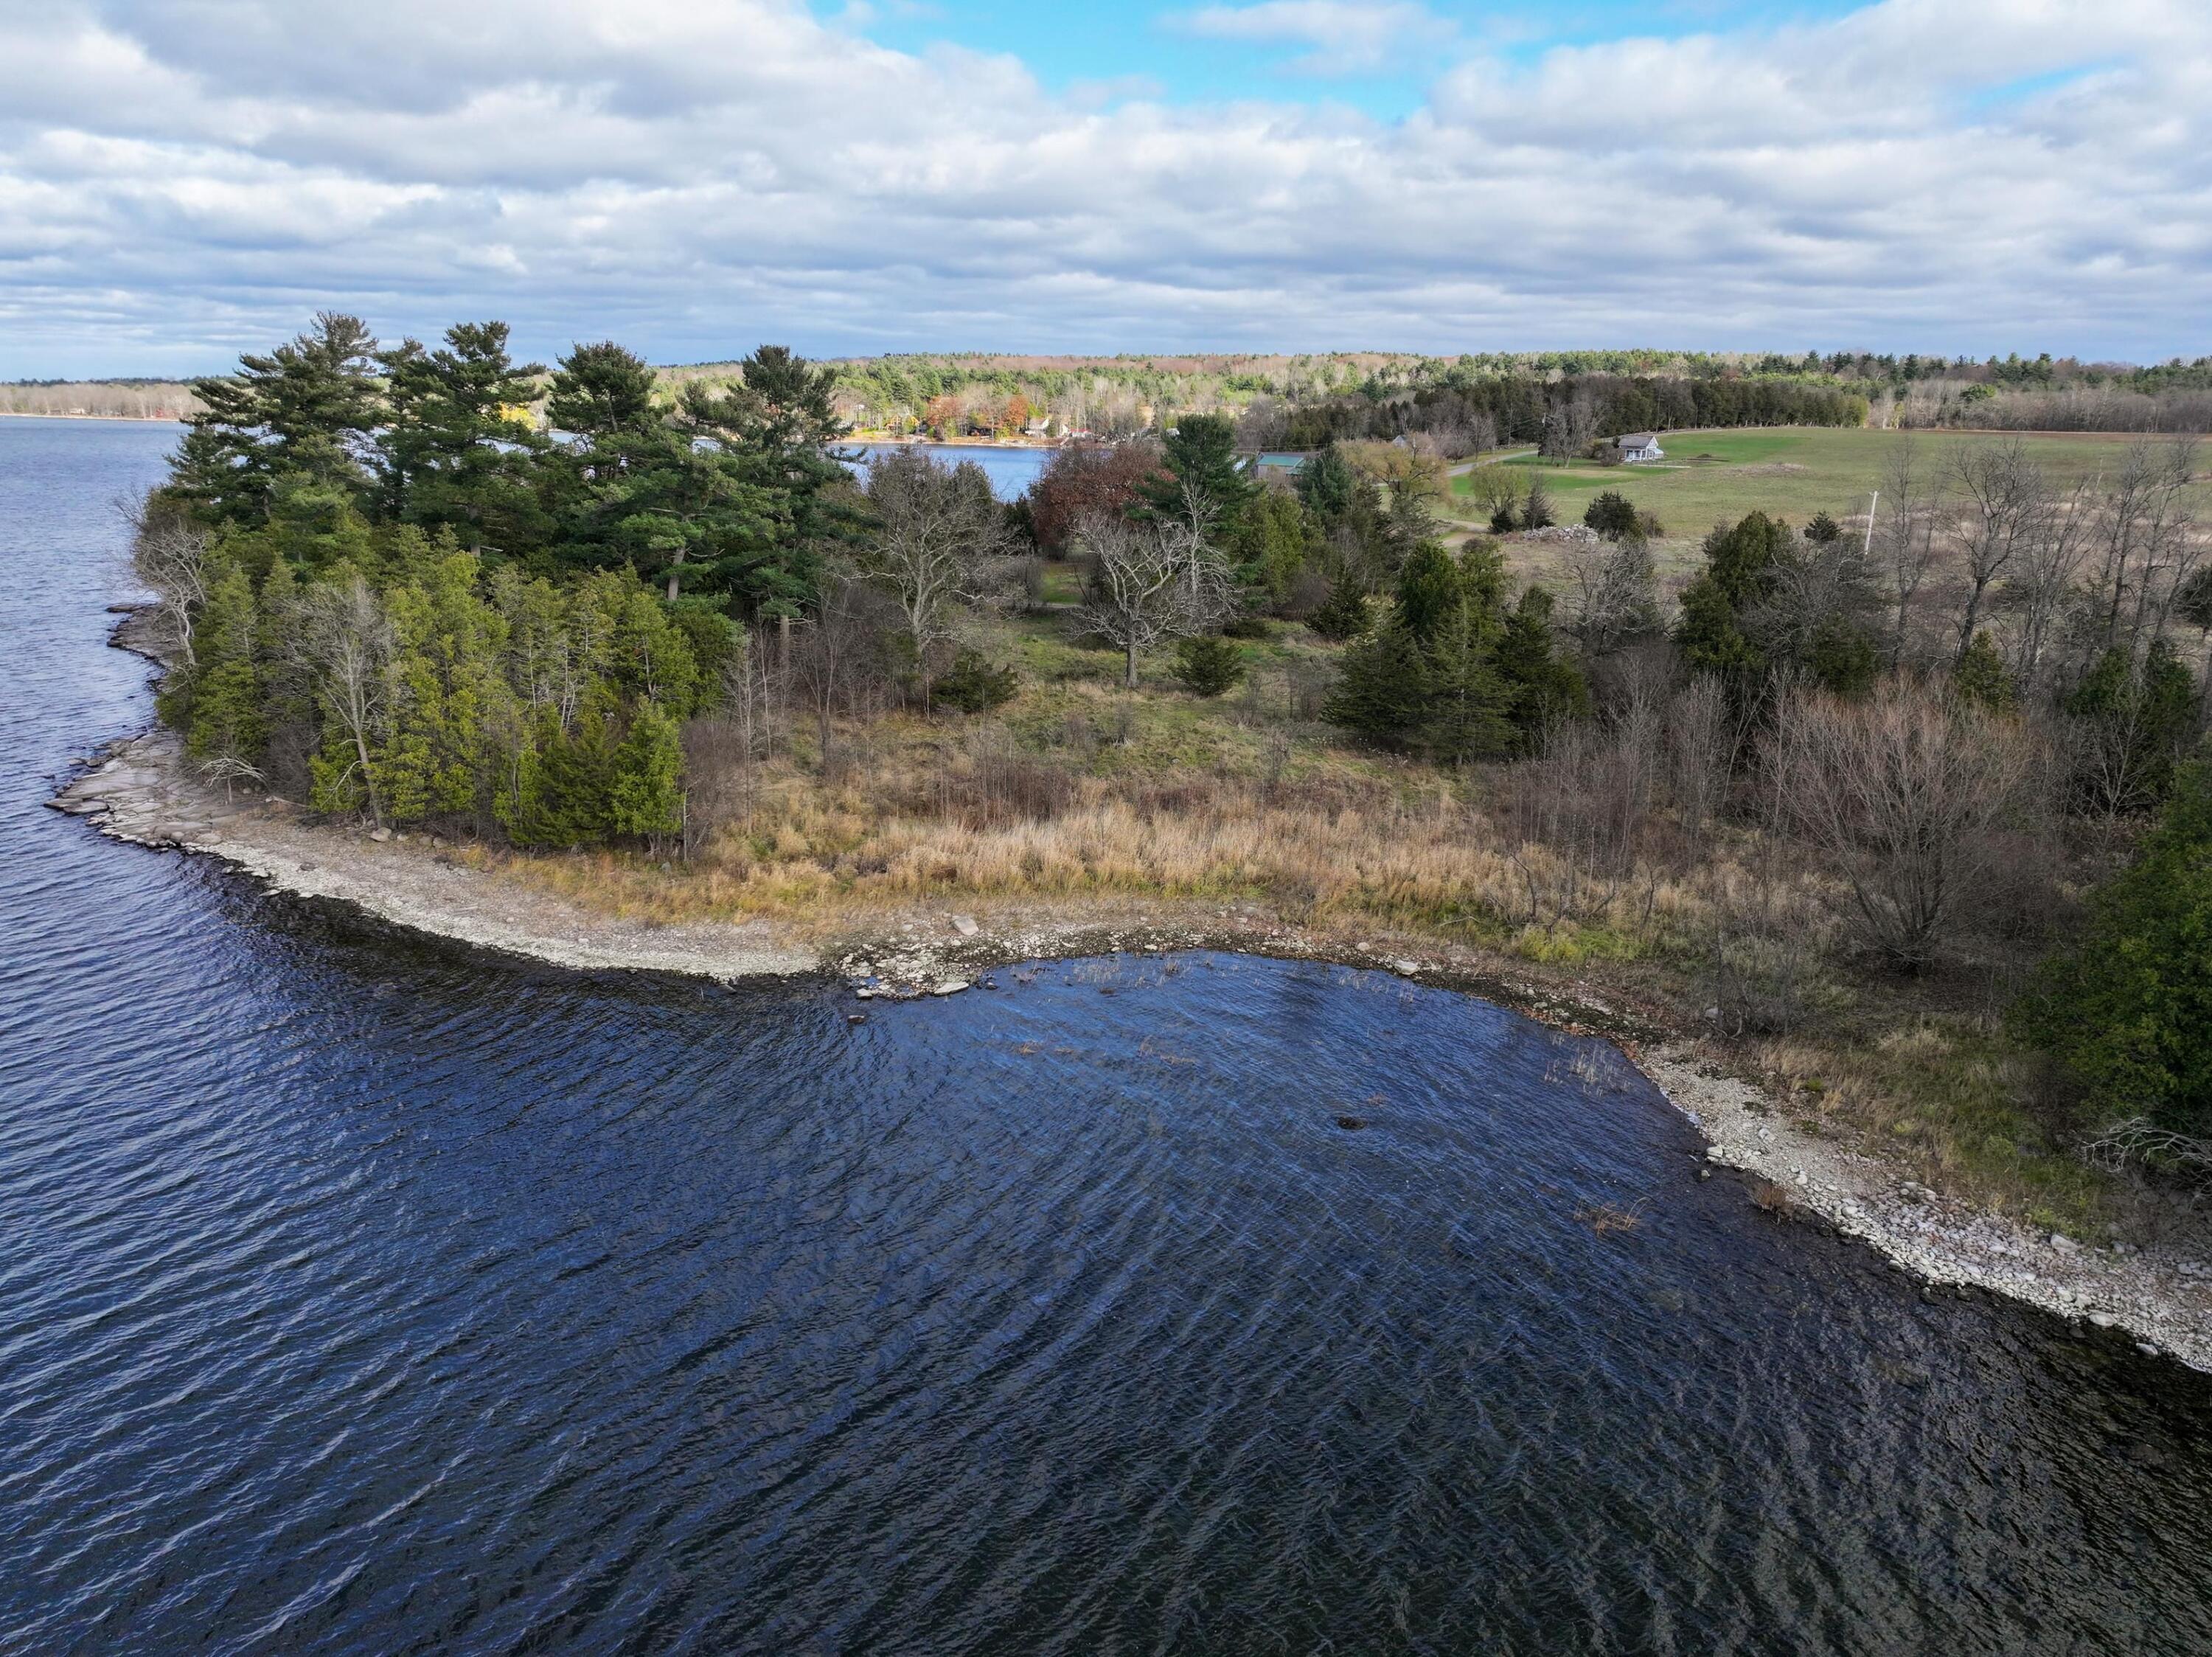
(1793, 473)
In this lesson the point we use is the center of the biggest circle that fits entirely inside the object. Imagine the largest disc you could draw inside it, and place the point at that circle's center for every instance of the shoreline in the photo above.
(136, 788)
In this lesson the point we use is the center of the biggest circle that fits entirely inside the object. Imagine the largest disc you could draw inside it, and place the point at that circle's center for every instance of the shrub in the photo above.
(1208, 666)
(974, 683)
(1611, 514)
(1536, 509)
(1247, 627)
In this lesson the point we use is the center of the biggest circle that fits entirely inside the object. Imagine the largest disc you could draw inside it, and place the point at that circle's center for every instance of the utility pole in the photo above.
(1872, 502)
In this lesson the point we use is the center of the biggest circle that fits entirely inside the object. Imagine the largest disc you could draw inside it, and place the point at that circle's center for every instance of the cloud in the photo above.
(180, 178)
(1345, 36)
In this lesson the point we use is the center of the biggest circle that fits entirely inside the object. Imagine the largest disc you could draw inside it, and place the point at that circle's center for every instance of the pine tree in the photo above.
(1327, 485)
(1539, 686)
(1382, 685)
(1611, 514)
(1430, 589)
(1345, 613)
(2126, 1011)
(226, 724)
(1203, 473)
(450, 695)
(645, 796)
(1207, 667)
(1980, 678)
(1536, 508)
(1465, 705)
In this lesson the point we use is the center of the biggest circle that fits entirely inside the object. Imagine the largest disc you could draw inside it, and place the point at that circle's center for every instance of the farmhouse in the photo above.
(1640, 446)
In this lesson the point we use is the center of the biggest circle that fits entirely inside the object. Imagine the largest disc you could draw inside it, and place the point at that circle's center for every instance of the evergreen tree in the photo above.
(305, 411)
(450, 698)
(2140, 718)
(1466, 705)
(600, 391)
(1611, 514)
(454, 454)
(1382, 685)
(771, 504)
(1203, 475)
(1540, 685)
(1344, 614)
(1208, 666)
(1327, 485)
(1430, 588)
(1842, 658)
(1741, 559)
(224, 719)
(1536, 508)
(1980, 677)
(645, 796)
(1276, 542)
(2127, 1009)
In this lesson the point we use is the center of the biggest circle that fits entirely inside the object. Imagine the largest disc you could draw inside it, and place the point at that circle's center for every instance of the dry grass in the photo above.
(913, 825)
(1079, 807)
(1947, 1097)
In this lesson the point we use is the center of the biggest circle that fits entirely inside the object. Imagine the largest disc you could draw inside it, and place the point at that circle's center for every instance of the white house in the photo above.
(1640, 446)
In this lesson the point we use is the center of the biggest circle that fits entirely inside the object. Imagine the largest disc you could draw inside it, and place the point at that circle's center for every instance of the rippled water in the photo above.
(364, 1295)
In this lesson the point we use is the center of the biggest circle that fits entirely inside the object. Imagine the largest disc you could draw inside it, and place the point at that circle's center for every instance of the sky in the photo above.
(182, 179)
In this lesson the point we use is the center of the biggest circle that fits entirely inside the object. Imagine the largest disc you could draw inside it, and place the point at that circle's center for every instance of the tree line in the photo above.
(389, 592)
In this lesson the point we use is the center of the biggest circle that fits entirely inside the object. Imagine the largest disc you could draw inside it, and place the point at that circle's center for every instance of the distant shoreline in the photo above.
(135, 419)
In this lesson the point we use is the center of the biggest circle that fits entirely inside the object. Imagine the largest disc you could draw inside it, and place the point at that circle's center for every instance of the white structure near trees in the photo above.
(1639, 445)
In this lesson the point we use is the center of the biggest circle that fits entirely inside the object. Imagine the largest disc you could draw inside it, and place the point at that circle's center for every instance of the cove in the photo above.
(364, 1294)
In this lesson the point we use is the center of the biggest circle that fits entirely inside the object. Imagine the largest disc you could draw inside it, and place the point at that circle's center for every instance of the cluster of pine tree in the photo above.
(408, 682)
(406, 601)
(1453, 671)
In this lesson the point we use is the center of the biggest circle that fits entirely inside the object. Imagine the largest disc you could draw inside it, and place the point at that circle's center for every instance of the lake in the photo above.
(1012, 471)
(366, 1295)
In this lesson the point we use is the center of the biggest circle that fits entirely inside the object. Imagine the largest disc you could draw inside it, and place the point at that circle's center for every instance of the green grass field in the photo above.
(1716, 477)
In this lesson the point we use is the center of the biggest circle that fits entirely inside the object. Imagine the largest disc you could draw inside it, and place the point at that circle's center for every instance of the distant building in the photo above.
(1639, 445)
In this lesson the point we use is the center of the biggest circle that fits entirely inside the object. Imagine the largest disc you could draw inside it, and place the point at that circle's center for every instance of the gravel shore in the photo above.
(139, 790)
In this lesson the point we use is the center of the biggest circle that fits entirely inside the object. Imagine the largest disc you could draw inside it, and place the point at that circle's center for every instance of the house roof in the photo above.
(1637, 440)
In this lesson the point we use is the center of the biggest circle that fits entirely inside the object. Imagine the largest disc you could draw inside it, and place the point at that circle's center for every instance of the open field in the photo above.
(1716, 477)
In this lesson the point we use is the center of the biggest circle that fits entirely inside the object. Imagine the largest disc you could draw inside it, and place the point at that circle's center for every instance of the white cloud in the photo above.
(1345, 36)
(181, 178)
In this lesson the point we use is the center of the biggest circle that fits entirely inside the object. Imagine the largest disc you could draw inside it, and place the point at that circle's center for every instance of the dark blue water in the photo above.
(364, 1295)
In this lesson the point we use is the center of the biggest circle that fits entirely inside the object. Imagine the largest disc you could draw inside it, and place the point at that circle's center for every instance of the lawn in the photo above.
(1792, 472)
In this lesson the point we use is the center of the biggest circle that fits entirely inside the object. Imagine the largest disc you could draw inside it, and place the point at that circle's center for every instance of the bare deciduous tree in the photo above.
(1906, 538)
(168, 553)
(939, 545)
(342, 640)
(1612, 594)
(2049, 557)
(1900, 794)
(1701, 739)
(836, 657)
(2147, 533)
(2004, 490)
(1150, 582)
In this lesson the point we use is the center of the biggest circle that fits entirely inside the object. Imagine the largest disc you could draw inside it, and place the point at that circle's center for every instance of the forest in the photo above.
(1888, 801)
